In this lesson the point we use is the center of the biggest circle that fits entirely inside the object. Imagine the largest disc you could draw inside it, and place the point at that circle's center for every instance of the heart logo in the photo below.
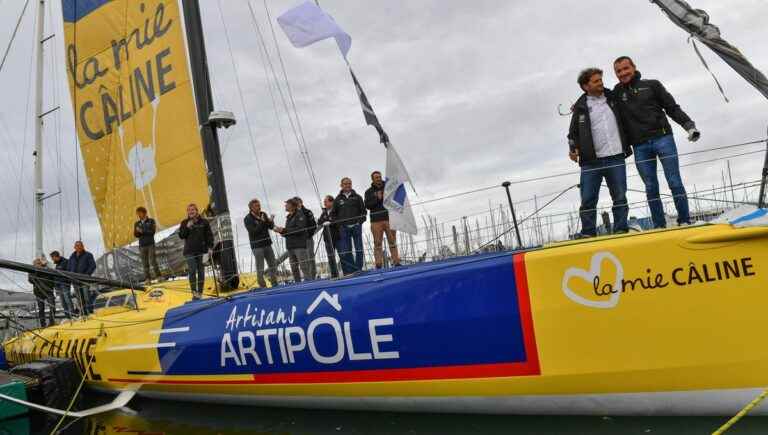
(590, 276)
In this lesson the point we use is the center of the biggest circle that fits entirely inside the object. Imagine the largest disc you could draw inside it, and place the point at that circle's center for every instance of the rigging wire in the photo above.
(305, 150)
(242, 102)
(264, 55)
(13, 35)
(23, 144)
(262, 42)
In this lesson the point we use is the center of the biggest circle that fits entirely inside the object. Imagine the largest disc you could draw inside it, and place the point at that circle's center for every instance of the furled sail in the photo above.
(696, 23)
(135, 111)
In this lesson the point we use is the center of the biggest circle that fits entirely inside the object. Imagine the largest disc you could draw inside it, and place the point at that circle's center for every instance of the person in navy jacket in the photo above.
(81, 261)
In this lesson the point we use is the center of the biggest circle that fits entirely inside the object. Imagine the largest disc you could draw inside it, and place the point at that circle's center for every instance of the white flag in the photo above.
(395, 196)
(307, 23)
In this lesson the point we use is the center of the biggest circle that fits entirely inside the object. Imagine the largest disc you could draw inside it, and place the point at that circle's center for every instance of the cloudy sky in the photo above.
(468, 92)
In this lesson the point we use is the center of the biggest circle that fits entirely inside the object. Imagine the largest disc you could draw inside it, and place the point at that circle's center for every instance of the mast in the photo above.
(211, 151)
(38, 153)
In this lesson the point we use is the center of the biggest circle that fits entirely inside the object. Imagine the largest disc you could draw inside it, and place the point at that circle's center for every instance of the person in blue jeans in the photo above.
(597, 143)
(643, 107)
(349, 213)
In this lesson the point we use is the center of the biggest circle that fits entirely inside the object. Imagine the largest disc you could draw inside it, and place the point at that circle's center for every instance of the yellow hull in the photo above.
(674, 314)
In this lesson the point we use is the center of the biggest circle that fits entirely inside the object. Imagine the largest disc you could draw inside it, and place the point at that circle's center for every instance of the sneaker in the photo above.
(579, 236)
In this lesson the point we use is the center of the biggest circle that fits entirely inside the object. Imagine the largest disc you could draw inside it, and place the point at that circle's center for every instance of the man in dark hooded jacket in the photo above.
(644, 106)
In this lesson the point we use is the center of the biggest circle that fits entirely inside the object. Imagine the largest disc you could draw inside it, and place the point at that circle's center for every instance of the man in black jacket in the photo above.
(374, 201)
(295, 233)
(311, 230)
(330, 234)
(61, 284)
(144, 230)
(349, 214)
(596, 141)
(81, 261)
(198, 240)
(644, 106)
(258, 225)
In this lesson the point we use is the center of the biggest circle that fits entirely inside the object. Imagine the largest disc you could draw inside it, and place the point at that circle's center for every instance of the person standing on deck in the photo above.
(349, 214)
(61, 284)
(81, 261)
(311, 230)
(597, 143)
(42, 288)
(374, 201)
(258, 225)
(330, 235)
(144, 230)
(295, 233)
(644, 106)
(198, 240)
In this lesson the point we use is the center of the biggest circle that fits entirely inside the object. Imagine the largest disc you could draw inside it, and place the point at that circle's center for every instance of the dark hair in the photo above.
(141, 210)
(55, 254)
(292, 201)
(374, 173)
(253, 201)
(329, 197)
(586, 75)
(623, 58)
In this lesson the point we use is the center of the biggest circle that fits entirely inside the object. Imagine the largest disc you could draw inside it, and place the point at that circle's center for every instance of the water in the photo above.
(168, 418)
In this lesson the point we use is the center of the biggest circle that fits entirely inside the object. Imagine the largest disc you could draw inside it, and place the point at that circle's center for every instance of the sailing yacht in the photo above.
(659, 322)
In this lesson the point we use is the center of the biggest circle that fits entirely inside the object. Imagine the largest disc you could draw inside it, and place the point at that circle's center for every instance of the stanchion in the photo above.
(506, 185)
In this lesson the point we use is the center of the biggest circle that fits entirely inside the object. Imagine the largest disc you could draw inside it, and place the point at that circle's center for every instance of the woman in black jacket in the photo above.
(198, 240)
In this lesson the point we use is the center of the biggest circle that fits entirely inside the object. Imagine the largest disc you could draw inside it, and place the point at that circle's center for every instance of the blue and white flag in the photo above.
(395, 195)
(307, 23)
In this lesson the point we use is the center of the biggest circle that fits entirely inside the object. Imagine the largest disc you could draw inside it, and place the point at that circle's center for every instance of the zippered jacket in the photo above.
(147, 235)
(644, 106)
(580, 131)
(198, 237)
(296, 230)
(258, 229)
(349, 211)
(372, 202)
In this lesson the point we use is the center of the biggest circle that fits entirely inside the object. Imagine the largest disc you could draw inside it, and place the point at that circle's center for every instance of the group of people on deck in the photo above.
(45, 286)
(341, 224)
(607, 126)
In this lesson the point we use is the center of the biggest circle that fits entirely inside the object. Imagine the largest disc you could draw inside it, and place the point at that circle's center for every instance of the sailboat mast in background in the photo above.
(38, 153)
(211, 150)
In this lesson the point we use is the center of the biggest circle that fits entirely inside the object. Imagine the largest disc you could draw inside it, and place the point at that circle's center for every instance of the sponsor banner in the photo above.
(467, 318)
(135, 111)
(677, 298)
